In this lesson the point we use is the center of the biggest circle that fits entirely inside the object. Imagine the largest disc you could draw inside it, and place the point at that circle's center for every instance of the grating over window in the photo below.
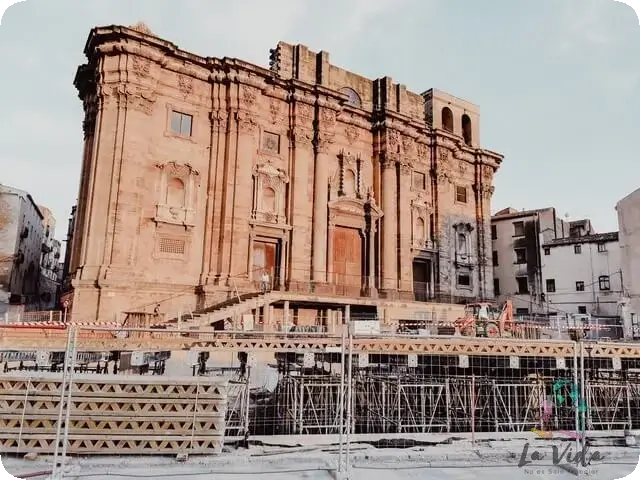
(172, 245)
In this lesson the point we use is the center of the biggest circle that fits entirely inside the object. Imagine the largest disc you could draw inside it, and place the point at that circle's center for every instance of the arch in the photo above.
(269, 200)
(175, 193)
(420, 229)
(462, 244)
(466, 129)
(447, 119)
(349, 184)
(354, 98)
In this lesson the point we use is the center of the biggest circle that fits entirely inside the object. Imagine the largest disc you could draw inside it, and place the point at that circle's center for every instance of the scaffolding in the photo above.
(407, 400)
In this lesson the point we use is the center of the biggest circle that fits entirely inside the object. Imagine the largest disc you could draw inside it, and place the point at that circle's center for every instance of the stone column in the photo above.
(300, 210)
(320, 214)
(389, 255)
(330, 272)
(405, 229)
(372, 259)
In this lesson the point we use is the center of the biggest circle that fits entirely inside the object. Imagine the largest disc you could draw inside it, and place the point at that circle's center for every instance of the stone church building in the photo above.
(201, 173)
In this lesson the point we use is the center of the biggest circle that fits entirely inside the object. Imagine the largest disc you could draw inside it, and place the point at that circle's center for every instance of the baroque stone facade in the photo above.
(199, 173)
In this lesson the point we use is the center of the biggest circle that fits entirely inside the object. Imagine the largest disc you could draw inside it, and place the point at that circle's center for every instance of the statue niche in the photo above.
(347, 181)
(420, 221)
(269, 192)
(176, 197)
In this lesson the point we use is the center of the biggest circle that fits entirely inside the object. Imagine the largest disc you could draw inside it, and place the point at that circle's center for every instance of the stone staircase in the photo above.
(232, 308)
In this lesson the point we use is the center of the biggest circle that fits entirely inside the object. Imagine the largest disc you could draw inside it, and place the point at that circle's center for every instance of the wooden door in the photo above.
(347, 257)
(264, 258)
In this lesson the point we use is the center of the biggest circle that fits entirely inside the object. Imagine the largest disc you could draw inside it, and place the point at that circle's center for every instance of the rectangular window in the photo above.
(602, 247)
(577, 249)
(495, 258)
(518, 229)
(521, 255)
(271, 142)
(523, 285)
(181, 123)
(604, 282)
(551, 285)
(496, 286)
(461, 194)
(419, 181)
(579, 286)
(547, 251)
(494, 232)
(464, 281)
(522, 311)
(582, 309)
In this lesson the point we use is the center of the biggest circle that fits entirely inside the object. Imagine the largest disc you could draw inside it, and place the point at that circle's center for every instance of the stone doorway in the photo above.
(266, 256)
(347, 260)
(422, 280)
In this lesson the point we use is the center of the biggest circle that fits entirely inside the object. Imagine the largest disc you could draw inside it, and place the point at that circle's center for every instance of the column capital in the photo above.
(389, 160)
(301, 136)
(323, 141)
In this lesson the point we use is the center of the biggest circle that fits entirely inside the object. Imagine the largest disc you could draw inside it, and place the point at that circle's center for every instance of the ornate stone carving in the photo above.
(327, 119)
(304, 112)
(462, 167)
(269, 194)
(420, 210)
(140, 66)
(144, 103)
(392, 140)
(408, 145)
(246, 123)
(323, 141)
(300, 136)
(487, 173)
(347, 181)
(405, 168)
(185, 84)
(182, 212)
(274, 110)
(444, 156)
(247, 96)
(352, 133)
(389, 160)
(422, 152)
(219, 120)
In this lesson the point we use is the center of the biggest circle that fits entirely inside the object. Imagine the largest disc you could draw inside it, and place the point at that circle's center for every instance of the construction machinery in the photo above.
(486, 319)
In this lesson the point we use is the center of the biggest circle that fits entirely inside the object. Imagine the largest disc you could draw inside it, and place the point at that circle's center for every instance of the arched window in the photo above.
(269, 200)
(354, 98)
(462, 244)
(175, 193)
(447, 119)
(466, 129)
(349, 186)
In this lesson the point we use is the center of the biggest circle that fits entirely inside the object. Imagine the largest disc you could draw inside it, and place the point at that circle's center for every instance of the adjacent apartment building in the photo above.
(21, 236)
(214, 170)
(517, 237)
(629, 226)
(549, 266)
(50, 273)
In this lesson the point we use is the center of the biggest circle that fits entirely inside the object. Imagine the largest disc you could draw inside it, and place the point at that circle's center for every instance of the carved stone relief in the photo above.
(274, 111)
(422, 152)
(141, 66)
(176, 202)
(419, 222)
(304, 112)
(270, 142)
(327, 119)
(408, 145)
(323, 141)
(393, 141)
(246, 123)
(269, 194)
(301, 137)
(352, 133)
(185, 84)
(247, 96)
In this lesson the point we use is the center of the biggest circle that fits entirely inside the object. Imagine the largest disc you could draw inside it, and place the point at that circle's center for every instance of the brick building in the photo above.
(200, 173)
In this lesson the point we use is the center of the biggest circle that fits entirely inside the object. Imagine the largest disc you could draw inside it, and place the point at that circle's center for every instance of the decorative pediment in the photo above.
(355, 207)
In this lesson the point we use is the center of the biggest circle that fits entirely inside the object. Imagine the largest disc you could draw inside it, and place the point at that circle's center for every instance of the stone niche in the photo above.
(348, 179)
(177, 193)
(463, 253)
(420, 221)
(269, 194)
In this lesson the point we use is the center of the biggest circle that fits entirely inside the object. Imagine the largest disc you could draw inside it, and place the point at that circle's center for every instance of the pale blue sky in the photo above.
(557, 81)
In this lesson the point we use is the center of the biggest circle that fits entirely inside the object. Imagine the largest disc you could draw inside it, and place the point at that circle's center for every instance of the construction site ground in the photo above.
(454, 457)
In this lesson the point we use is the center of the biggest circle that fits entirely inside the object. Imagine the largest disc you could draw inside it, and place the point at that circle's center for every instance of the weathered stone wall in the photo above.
(284, 157)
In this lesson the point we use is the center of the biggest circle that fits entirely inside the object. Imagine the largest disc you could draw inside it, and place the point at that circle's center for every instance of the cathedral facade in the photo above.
(200, 174)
